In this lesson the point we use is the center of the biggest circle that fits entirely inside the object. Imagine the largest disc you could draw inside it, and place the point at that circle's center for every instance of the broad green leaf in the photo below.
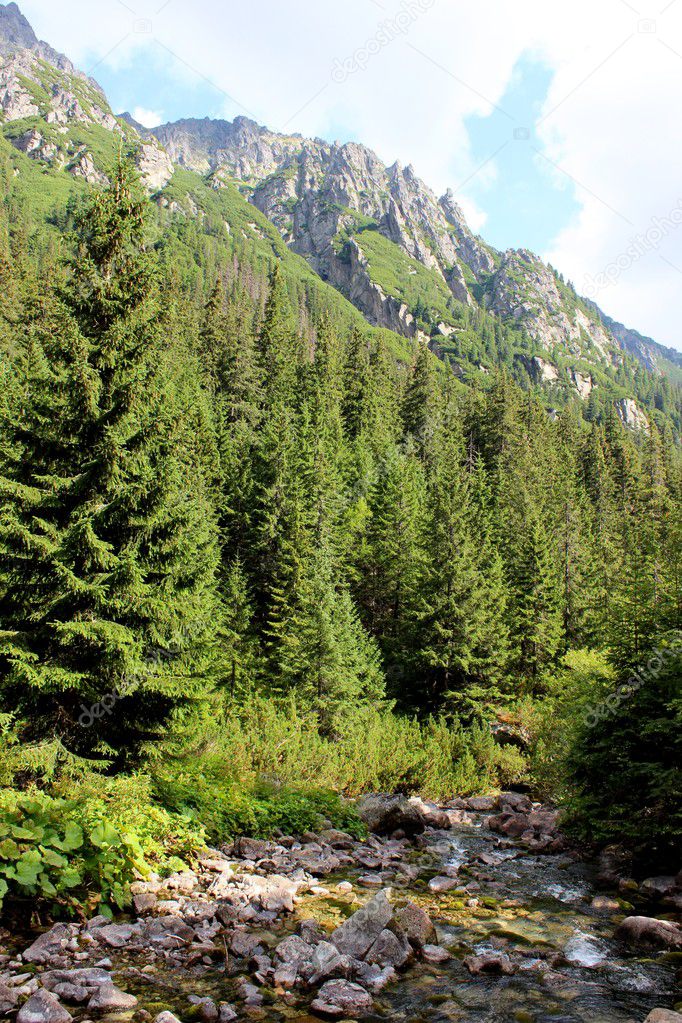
(69, 878)
(53, 859)
(105, 835)
(9, 850)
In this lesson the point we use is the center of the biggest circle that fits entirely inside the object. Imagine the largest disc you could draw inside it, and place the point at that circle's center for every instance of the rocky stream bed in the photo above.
(475, 911)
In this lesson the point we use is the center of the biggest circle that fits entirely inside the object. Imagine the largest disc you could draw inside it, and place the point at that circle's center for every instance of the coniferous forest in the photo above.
(254, 561)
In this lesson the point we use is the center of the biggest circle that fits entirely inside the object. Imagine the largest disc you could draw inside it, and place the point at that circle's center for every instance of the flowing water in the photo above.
(569, 967)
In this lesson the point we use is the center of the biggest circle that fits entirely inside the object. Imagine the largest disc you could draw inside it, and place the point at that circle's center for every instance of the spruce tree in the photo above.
(106, 527)
(462, 627)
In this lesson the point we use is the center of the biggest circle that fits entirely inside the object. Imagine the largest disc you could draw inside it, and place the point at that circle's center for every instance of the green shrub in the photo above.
(227, 809)
(218, 770)
(554, 723)
(627, 763)
(167, 840)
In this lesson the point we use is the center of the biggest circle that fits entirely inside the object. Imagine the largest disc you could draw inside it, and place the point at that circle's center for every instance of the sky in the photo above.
(556, 125)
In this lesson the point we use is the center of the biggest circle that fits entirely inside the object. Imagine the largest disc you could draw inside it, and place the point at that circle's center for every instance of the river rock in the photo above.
(166, 1017)
(85, 977)
(650, 931)
(517, 802)
(339, 999)
(254, 848)
(374, 978)
(385, 814)
(144, 902)
(481, 804)
(8, 999)
(327, 962)
(294, 950)
(432, 815)
(489, 962)
(116, 935)
(47, 945)
(43, 1007)
(663, 1016)
(416, 924)
(244, 944)
(443, 884)
(168, 932)
(435, 954)
(273, 893)
(658, 887)
(109, 998)
(356, 934)
(389, 950)
(337, 839)
(207, 1010)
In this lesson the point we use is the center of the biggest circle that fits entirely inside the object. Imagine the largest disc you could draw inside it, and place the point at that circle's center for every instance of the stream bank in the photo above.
(476, 910)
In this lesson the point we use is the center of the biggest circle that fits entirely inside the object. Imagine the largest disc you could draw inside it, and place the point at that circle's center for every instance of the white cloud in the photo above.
(610, 123)
(149, 118)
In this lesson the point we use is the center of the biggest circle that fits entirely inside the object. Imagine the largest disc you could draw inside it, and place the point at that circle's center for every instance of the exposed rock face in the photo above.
(583, 384)
(313, 190)
(322, 197)
(155, 166)
(631, 415)
(524, 289)
(644, 349)
(539, 370)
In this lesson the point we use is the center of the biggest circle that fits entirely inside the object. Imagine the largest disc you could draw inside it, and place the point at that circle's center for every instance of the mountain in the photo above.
(403, 257)
(339, 207)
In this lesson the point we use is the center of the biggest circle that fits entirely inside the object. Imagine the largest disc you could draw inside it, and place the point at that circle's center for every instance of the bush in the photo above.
(263, 765)
(554, 724)
(627, 764)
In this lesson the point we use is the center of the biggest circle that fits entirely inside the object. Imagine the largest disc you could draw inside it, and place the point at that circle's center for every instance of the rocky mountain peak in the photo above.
(15, 31)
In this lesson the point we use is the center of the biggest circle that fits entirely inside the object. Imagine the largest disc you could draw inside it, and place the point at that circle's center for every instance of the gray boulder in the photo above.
(384, 814)
(358, 933)
(325, 963)
(340, 999)
(109, 998)
(390, 949)
(43, 1007)
(647, 930)
(47, 945)
(489, 962)
(416, 924)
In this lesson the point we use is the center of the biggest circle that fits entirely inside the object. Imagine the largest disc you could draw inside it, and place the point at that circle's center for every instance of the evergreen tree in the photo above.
(463, 634)
(416, 406)
(106, 529)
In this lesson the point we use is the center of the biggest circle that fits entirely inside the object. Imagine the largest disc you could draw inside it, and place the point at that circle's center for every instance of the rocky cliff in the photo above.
(53, 112)
(320, 194)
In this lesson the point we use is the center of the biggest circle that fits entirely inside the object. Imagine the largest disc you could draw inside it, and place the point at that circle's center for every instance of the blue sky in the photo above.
(525, 205)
